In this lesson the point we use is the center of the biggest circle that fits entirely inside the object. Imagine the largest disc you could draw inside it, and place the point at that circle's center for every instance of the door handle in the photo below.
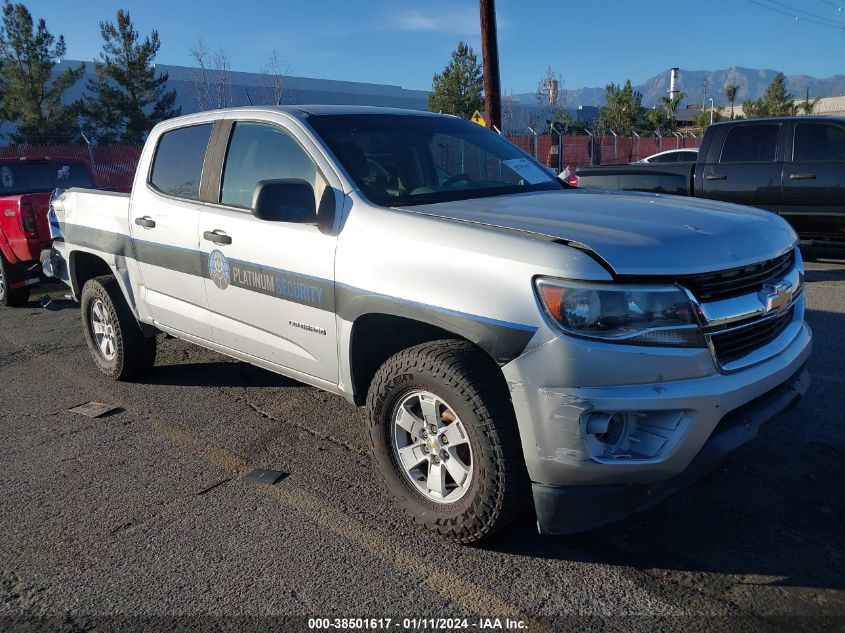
(147, 222)
(217, 236)
(715, 177)
(802, 176)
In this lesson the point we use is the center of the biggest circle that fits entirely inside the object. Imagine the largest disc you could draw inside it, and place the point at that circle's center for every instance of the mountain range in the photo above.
(752, 84)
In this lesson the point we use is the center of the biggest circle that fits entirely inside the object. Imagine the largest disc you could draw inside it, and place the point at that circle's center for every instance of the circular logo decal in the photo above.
(218, 269)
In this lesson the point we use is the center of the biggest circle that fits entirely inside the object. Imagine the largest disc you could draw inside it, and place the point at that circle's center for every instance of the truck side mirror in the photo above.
(284, 200)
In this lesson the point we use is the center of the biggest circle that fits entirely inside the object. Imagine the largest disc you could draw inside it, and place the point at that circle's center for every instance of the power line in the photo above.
(801, 11)
(835, 5)
(795, 17)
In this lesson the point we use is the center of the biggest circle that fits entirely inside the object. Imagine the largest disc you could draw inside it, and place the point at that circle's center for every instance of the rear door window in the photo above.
(177, 167)
(751, 144)
(819, 142)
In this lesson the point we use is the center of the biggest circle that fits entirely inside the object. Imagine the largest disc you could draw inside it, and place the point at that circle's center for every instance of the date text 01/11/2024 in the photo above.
(417, 624)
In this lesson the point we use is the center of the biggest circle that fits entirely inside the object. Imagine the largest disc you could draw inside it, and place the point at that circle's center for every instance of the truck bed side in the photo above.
(83, 217)
(675, 179)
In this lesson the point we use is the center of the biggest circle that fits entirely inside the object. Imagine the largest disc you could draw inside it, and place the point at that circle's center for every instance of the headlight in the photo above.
(635, 315)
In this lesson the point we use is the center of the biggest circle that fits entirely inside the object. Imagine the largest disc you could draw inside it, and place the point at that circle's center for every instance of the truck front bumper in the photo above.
(670, 431)
(568, 509)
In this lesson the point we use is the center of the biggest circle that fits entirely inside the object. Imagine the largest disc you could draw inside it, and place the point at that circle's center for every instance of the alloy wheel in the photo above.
(431, 447)
(103, 329)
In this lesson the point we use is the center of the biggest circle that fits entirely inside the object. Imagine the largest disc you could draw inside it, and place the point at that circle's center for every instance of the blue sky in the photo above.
(589, 43)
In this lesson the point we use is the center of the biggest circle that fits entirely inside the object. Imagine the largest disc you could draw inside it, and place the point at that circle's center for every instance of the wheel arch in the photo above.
(376, 336)
(84, 265)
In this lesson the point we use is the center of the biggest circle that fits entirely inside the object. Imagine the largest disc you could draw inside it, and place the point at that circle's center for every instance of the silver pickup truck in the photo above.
(516, 345)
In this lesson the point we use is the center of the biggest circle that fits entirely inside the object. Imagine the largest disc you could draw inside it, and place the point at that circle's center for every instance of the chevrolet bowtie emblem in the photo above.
(777, 297)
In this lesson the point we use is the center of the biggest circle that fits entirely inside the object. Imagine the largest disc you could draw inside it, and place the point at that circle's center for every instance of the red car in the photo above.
(25, 188)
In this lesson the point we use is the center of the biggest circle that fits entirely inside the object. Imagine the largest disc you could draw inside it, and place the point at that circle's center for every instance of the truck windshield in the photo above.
(401, 160)
(35, 176)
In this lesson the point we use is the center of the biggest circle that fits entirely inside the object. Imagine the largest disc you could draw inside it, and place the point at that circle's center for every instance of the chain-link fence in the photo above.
(559, 151)
(113, 166)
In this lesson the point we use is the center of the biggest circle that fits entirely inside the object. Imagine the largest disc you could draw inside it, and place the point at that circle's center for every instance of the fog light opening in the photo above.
(607, 434)
(607, 428)
(615, 430)
(630, 435)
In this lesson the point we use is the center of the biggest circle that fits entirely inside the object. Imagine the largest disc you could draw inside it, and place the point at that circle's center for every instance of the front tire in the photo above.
(114, 338)
(10, 297)
(444, 436)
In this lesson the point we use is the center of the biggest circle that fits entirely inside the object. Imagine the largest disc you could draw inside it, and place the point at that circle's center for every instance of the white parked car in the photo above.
(689, 155)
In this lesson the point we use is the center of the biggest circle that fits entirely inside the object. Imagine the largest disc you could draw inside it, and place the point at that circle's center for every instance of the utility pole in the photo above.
(490, 61)
(704, 98)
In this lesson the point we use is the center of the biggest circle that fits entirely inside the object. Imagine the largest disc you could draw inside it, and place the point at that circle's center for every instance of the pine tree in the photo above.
(32, 100)
(777, 101)
(458, 89)
(126, 98)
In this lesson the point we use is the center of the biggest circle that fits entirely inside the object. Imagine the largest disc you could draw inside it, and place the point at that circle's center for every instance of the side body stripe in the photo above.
(503, 340)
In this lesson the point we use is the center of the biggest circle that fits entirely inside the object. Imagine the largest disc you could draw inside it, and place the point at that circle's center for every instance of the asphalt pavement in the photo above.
(142, 516)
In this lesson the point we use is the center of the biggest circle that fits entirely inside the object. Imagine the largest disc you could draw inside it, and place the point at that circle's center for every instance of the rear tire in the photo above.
(10, 297)
(458, 386)
(114, 337)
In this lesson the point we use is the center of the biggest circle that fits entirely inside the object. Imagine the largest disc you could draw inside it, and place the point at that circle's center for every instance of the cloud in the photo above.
(464, 22)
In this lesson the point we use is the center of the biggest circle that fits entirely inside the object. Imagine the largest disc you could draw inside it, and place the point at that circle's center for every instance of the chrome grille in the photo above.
(734, 344)
(737, 281)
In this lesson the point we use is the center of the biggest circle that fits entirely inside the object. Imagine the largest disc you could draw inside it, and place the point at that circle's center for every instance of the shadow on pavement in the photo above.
(774, 511)
(775, 508)
(216, 374)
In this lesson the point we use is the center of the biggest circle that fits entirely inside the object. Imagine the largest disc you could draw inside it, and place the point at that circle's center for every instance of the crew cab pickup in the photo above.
(793, 166)
(515, 343)
(25, 188)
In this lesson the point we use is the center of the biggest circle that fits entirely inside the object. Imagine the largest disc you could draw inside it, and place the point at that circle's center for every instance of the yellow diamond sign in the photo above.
(477, 118)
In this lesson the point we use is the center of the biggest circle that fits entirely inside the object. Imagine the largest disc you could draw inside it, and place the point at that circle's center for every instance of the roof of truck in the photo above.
(780, 119)
(304, 111)
(318, 110)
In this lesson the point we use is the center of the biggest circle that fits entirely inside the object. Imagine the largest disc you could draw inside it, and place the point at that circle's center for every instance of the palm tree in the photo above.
(671, 106)
(730, 93)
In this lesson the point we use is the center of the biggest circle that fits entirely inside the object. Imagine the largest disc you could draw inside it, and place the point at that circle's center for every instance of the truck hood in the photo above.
(634, 233)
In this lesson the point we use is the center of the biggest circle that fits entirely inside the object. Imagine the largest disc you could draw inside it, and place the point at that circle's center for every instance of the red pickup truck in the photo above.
(25, 188)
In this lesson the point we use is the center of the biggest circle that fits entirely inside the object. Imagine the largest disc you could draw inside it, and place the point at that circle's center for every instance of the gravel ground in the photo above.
(142, 516)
